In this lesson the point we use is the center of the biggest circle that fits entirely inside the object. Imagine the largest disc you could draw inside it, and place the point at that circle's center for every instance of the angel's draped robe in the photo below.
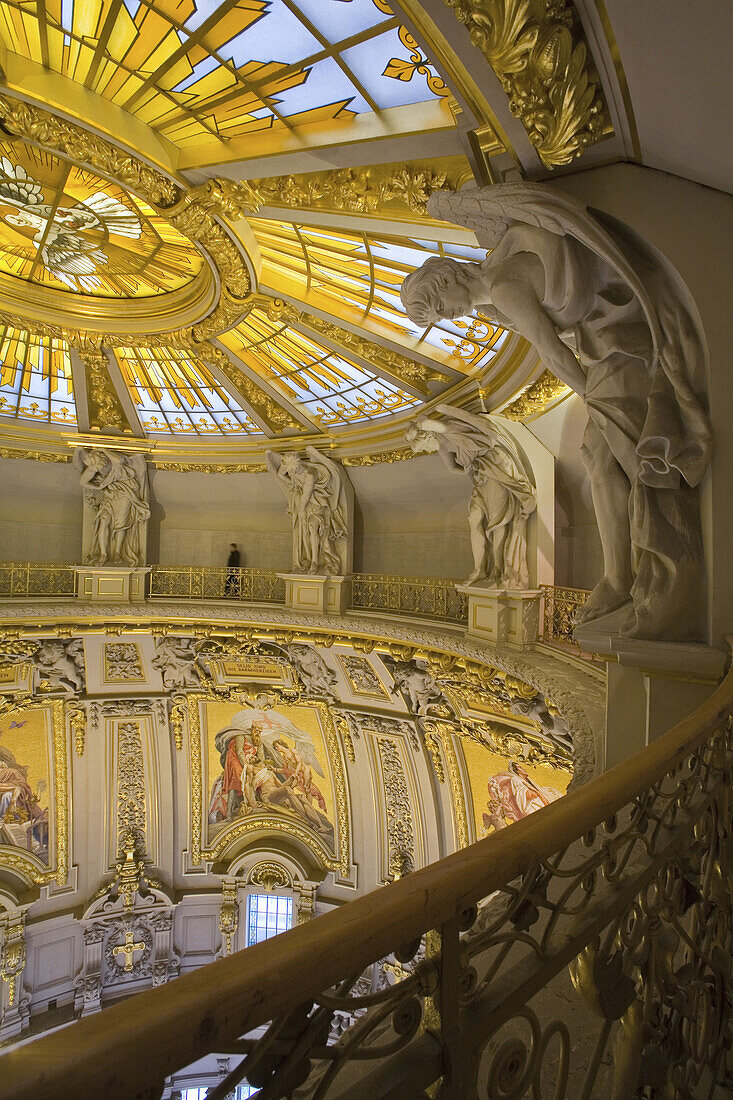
(643, 405)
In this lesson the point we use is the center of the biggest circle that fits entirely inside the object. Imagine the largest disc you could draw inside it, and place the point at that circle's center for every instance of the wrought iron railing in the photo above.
(424, 597)
(582, 953)
(22, 578)
(202, 582)
(561, 607)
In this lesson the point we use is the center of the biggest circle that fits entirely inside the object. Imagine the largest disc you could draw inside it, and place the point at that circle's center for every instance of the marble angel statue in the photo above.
(314, 488)
(503, 495)
(612, 319)
(116, 490)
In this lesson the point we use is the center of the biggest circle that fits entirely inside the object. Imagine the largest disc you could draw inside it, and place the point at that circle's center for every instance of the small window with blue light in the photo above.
(267, 916)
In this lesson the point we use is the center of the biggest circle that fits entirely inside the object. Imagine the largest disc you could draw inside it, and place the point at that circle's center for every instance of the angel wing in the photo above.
(19, 188)
(487, 429)
(114, 215)
(73, 260)
(335, 489)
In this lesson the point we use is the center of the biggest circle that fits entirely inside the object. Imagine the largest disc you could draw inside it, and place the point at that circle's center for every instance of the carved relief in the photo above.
(122, 662)
(176, 658)
(317, 678)
(400, 833)
(131, 797)
(362, 676)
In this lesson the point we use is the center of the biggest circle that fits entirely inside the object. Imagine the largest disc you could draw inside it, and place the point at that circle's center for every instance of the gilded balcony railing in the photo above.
(433, 598)
(202, 582)
(582, 953)
(561, 605)
(22, 578)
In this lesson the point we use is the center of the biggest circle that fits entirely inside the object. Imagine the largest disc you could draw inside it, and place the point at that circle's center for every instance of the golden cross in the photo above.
(128, 949)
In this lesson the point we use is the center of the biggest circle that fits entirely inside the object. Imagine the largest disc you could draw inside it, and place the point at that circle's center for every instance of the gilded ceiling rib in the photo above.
(536, 398)
(105, 408)
(273, 414)
(356, 190)
(537, 50)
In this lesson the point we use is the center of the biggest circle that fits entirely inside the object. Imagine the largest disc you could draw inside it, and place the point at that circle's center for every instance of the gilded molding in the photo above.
(536, 49)
(36, 456)
(400, 455)
(13, 953)
(400, 832)
(131, 806)
(213, 467)
(105, 409)
(356, 190)
(537, 398)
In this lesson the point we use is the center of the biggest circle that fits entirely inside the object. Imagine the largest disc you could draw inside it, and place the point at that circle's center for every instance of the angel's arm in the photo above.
(273, 460)
(514, 289)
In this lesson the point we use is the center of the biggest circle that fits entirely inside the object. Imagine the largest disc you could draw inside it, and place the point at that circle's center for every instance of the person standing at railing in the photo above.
(231, 584)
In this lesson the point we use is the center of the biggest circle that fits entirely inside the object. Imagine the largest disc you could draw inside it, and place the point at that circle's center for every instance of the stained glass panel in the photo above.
(332, 387)
(200, 71)
(358, 277)
(175, 394)
(35, 378)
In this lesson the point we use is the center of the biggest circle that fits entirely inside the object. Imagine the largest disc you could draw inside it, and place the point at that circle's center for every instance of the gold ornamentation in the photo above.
(36, 456)
(195, 214)
(228, 912)
(536, 50)
(36, 579)
(177, 715)
(13, 954)
(400, 833)
(561, 607)
(213, 467)
(78, 725)
(537, 398)
(432, 743)
(400, 69)
(23, 120)
(342, 725)
(358, 190)
(105, 409)
(269, 876)
(385, 456)
(131, 806)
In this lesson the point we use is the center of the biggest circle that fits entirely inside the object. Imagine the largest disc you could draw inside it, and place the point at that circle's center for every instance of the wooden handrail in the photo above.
(127, 1050)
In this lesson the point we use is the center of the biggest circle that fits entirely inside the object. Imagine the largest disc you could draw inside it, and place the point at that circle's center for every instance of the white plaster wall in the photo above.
(40, 511)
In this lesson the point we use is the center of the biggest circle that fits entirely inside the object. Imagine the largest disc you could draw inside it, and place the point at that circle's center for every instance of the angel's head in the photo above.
(441, 288)
(421, 440)
(290, 463)
(25, 218)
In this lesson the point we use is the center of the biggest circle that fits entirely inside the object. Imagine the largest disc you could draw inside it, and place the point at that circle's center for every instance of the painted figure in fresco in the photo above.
(515, 795)
(503, 495)
(261, 771)
(315, 492)
(23, 822)
(493, 819)
(116, 488)
(611, 317)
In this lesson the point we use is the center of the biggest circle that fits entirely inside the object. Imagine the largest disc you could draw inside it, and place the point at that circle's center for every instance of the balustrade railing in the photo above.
(204, 582)
(22, 578)
(582, 953)
(433, 598)
(561, 605)
(423, 597)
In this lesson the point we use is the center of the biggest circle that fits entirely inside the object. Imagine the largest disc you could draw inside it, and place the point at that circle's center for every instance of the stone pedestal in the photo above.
(111, 583)
(316, 592)
(650, 685)
(503, 615)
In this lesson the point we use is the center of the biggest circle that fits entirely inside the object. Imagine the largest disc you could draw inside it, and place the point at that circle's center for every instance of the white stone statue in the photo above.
(177, 661)
(503, 494)
(317, 677)
(116, 508)
(553, 725)
(320, 503)
(611, 317)
(415, 683)
(61, 664)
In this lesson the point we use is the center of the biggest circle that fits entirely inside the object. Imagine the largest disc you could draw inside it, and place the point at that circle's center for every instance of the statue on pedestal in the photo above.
(503, 494)
(116, 509)
(316, 490)
(612, 319)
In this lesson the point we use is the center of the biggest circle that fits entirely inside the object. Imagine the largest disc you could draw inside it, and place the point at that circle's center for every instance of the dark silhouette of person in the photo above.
(231, 585)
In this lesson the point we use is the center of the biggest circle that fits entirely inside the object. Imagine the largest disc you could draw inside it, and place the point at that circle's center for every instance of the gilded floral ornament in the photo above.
(535, 48)
(536, 398)
(357, 190)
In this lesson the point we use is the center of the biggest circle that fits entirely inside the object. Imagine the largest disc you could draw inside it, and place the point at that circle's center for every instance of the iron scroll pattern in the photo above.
(634, 921)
